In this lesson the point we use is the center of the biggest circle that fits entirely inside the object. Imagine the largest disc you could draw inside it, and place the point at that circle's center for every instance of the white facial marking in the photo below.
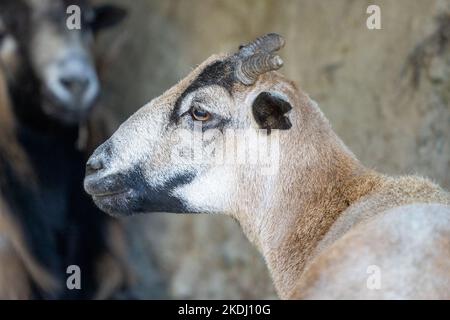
(73, 67)
(210, 192)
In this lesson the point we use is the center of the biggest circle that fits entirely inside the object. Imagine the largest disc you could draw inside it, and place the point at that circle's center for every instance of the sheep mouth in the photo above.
(112, 194)
(115, 203)
(109, 194)
(128, 193)
(64, 112)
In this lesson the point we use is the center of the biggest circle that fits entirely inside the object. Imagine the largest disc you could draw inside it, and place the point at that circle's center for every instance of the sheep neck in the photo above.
(301, 212)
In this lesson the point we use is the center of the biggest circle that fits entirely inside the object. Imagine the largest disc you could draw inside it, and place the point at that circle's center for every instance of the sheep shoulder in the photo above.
(401, 232)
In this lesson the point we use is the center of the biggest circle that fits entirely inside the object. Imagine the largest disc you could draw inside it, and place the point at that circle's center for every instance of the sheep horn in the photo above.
(257, 58)
(268, 43)
(250, 69)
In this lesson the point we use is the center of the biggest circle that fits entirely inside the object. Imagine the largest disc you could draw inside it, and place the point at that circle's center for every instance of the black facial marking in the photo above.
(219, 73)
(160, 200)
(15, 15)
(144, 198)
(269, 112)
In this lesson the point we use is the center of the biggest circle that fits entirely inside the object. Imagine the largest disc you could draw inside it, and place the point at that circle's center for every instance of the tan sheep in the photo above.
(325, 224)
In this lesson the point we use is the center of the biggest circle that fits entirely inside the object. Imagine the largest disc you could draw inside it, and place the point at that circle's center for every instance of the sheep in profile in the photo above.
(322, 220)
(48, 87)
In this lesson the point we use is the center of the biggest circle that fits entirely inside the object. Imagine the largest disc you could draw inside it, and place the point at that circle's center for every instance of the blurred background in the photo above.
(386, 93)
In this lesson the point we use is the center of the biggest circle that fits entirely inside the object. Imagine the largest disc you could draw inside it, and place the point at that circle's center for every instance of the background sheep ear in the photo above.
(107, 16)
(269, 111)
(2, 31)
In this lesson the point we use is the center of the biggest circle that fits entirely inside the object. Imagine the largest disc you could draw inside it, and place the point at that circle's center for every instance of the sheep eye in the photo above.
(200, 115)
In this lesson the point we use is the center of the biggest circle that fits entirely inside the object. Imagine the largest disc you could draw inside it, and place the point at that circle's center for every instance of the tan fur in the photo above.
(16, 255)
(351, 232)
(14, 283)
(409, 268)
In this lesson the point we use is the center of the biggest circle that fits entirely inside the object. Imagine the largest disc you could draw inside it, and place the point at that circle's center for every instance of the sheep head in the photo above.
(182, 151)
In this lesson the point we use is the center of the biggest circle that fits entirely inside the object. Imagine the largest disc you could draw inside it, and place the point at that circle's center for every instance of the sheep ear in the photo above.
(2, 31)
(269, 111)
(107, 16)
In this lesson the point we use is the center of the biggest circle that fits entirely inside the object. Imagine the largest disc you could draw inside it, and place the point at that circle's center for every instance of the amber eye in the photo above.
(199, 114)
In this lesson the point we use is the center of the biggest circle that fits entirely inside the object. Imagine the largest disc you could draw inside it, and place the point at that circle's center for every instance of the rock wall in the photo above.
(386, 92)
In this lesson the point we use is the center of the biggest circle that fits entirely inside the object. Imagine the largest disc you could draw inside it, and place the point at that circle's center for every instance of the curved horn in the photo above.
(268, 43)
(248, 70)
(258, 57)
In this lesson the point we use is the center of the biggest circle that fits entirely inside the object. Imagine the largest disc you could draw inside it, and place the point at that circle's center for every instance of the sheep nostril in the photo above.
(77, 86)
(94, 165)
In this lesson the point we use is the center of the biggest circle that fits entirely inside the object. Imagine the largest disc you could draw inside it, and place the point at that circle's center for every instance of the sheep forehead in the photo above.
(213, 98)
(39, 4)
(216, 70)
(181, 86)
